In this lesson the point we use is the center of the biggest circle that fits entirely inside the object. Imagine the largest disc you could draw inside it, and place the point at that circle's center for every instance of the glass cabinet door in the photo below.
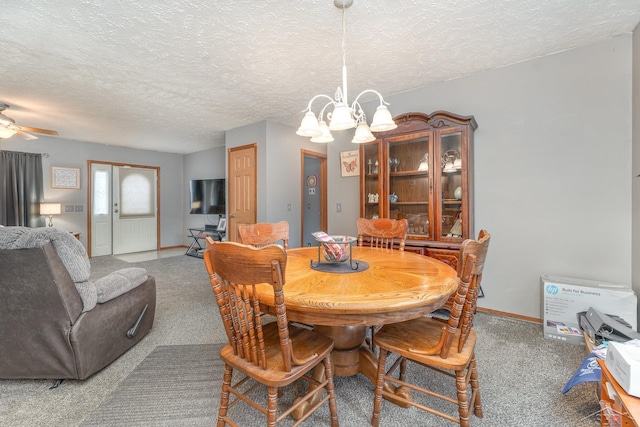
(451, 185)
(371, 168)
(408, 186)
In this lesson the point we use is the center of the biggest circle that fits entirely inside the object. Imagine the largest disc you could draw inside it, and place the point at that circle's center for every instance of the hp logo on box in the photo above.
(551, 289)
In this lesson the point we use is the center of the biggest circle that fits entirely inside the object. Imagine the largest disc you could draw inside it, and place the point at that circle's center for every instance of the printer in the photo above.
(603, 327)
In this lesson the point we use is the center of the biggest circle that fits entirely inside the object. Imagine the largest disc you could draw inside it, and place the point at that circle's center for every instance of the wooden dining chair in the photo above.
(273, 354)
(448, 349)
(382, 232)
(479, 248)
(264, 233)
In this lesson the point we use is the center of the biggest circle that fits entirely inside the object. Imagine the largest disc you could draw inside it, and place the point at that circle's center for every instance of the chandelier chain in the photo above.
(344, 37)
(345, 116)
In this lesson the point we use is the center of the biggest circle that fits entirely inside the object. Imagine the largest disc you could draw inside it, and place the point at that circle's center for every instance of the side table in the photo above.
(618, 407)
(197, 234)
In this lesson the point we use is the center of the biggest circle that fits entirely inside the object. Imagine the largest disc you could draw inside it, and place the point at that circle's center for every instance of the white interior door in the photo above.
(135, 216)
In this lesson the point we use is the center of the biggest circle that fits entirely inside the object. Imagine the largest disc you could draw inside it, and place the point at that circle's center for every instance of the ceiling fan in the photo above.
(8, 127)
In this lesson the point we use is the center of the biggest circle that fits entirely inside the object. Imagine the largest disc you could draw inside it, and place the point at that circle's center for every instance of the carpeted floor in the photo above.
(174, 385)
(521, 374)
(180, 386)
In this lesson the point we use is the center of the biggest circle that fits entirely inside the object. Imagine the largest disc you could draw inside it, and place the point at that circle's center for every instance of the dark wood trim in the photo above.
(323, 190)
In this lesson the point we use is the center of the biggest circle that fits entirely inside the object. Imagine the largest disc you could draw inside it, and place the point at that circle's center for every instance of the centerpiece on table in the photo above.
(334, 250)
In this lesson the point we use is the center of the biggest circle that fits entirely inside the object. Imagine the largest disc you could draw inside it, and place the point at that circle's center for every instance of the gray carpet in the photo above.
(179, 385)
(521, 374)
(173, 385)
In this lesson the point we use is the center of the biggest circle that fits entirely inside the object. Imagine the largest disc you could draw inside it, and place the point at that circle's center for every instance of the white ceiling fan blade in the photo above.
(25, 135)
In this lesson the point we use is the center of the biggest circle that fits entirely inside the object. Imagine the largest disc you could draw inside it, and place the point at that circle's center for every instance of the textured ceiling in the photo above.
(174, 75)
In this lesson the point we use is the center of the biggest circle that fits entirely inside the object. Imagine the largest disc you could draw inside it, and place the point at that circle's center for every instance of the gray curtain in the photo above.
(21, 189)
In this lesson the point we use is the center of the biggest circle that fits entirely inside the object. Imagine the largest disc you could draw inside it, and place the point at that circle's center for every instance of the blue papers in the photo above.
(588, 371)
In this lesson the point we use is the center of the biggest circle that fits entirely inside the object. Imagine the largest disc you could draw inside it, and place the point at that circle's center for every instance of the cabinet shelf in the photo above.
(409, 173)
(408, 203)
(452, 202)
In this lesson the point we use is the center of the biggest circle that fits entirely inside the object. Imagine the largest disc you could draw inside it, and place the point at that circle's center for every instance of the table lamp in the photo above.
(50, 209)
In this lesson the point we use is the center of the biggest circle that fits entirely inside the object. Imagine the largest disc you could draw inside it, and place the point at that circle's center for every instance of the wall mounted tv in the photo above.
(207, 196)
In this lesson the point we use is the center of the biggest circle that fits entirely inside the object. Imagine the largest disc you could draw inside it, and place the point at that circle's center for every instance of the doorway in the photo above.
(314, 195)
(122, 208)
(243, 190)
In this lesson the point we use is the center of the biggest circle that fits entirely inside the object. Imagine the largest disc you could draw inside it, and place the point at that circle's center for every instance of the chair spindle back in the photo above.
(479, 248)
(264, 233)
(235, 271)
(381, 232)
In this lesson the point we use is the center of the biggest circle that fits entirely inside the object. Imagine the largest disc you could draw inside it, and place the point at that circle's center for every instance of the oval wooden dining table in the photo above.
(396, 286)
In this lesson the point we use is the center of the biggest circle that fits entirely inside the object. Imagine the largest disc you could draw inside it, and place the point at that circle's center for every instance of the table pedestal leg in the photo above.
(347, 341)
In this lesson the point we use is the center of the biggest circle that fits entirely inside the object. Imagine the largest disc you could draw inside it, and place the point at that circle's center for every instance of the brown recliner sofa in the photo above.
(54, 322)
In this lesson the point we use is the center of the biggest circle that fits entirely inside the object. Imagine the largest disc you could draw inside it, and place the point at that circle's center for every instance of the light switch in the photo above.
(69, 208)
(79, 208)
(289, 207)
(338, 207)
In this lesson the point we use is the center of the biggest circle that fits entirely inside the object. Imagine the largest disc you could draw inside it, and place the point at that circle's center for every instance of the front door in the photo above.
(123, 206)
(242, 188)
(134, 210)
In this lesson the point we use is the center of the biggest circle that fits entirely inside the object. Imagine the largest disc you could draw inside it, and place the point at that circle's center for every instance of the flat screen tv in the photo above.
(207, 196)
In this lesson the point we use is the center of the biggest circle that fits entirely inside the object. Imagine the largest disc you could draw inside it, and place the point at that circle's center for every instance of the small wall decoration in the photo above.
(68, 178)
(312, 180)
(350, 163)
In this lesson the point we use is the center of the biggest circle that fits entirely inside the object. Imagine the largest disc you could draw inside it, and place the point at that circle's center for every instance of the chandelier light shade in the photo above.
(363, 134)
(50, 209)
(344, 115)
(325, 135)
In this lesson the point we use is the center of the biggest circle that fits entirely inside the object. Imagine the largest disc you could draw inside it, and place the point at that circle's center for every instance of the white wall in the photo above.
(635, 176)
(75, 154)
(552, 168)
(278, 170)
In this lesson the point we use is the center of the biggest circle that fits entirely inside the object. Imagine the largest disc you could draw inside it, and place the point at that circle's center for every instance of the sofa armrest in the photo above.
(119, 282)
(100, 335)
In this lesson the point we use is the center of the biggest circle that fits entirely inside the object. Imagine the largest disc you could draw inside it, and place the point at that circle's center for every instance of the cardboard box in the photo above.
(564, 297)
(623, 361)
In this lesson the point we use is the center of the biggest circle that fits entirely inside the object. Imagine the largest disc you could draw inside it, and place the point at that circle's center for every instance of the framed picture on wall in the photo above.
(350, 163)
(222, 225)
(68, 178)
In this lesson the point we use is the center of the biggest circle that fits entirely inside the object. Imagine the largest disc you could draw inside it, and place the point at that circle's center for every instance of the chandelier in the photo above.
(344, 116)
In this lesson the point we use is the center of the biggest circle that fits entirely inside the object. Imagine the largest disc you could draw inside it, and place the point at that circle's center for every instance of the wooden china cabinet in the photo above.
(423, 171)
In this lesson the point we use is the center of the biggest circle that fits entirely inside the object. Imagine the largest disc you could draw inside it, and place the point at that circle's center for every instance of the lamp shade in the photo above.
(382, 120)
(341, 118)
(5, 132)
(309, 125)
(50, 209)
(325, 136)
(363, 134)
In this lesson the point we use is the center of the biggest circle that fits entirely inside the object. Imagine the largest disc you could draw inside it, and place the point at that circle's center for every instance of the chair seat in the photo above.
(420, 335)
(305, 343)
